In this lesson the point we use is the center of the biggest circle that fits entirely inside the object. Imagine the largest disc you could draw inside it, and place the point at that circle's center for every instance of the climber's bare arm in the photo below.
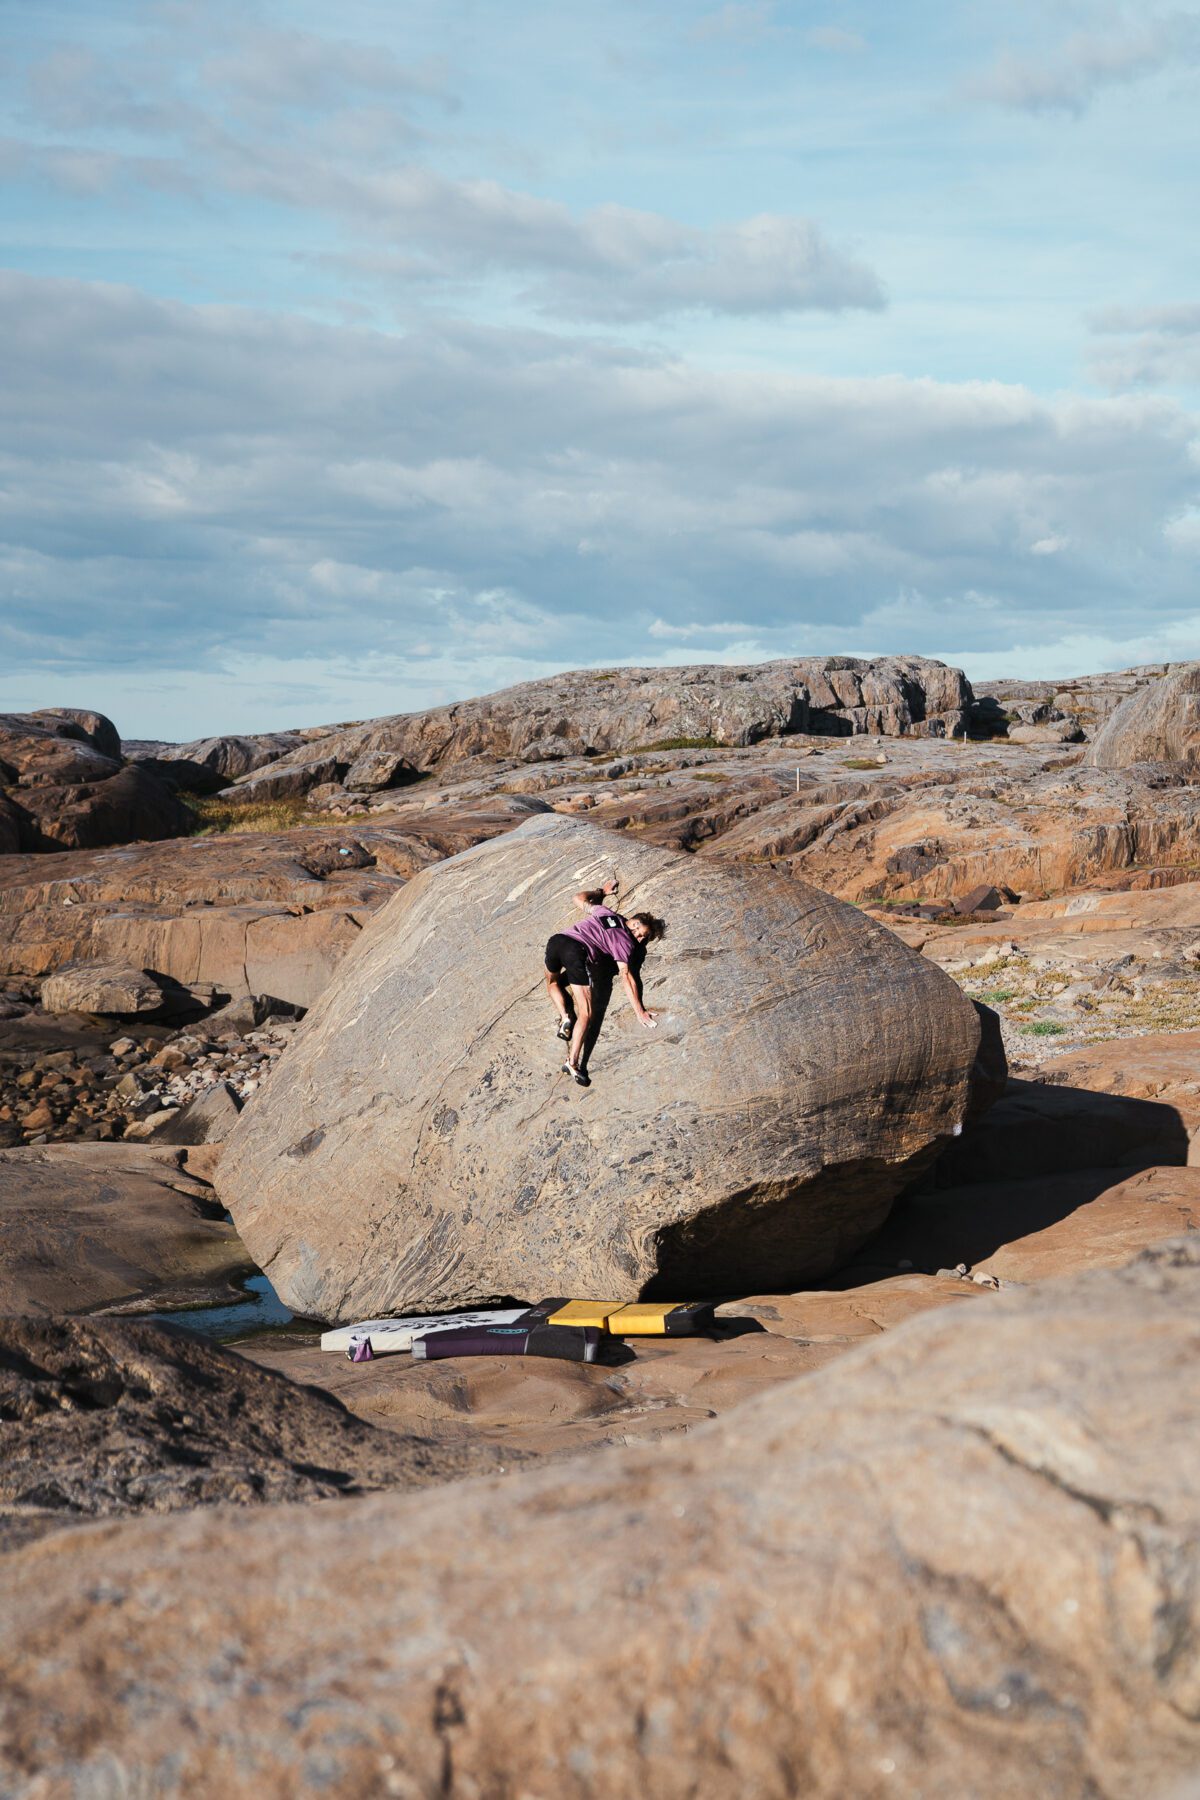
(633, 988)
(590, 897)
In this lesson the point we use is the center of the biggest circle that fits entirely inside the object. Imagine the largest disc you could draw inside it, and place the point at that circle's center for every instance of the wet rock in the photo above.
(106, 989)
(962, 1560)
(421, 1147)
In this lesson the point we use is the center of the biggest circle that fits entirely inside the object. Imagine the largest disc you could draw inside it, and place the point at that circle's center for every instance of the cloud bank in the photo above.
(480, 505)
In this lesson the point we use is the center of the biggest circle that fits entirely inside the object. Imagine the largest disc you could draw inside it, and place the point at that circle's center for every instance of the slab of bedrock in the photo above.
(421, 1147)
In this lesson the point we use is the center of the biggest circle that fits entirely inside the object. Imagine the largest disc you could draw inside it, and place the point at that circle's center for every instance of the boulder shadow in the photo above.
(1043, 1153)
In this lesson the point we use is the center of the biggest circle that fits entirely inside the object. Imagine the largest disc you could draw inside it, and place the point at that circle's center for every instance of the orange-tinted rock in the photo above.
(90, 1225)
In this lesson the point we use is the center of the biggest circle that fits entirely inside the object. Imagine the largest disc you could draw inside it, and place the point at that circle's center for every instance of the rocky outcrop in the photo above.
(420, 1148)
(962, 1560)
(107, 1417)
(607, 711)
(63, 786)
(90, 1225)
(1161, 723)
(934, 837)
(95, 728)
(1083, 702)
(1041, 1226)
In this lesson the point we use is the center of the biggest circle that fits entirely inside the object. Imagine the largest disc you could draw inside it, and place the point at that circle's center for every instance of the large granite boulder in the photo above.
(420, 1146)
(106, 989)
(963, 1560)
(1159, 723)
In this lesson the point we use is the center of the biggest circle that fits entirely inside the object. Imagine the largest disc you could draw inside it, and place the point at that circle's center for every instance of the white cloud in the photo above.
(1147, 346)
(325, 126)
(276, 492)
(746, 20)
(1068, 78)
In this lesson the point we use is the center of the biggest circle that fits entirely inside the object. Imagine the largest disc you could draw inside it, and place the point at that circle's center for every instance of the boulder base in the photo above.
(420, 1147)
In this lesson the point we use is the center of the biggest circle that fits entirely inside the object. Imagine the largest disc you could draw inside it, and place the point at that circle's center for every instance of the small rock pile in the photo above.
(131, 1086)
(192, 1064)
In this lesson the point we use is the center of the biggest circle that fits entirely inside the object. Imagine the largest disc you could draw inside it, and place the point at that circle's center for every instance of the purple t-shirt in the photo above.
(605, 932)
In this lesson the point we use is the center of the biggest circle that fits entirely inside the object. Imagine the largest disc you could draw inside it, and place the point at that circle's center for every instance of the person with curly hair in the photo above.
(585, 956)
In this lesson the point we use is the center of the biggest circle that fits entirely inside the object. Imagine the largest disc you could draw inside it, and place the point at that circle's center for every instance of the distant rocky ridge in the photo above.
(1032, 711)
(67, 783)
(609, 711)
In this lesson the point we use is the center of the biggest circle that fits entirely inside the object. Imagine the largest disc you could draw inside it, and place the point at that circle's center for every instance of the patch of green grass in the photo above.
(678, 743)
(862, 762)
(997, 996)
(1043, 1028)
(214, 815)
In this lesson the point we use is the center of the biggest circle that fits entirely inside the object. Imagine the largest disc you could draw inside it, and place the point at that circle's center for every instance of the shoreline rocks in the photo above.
(103, 1418)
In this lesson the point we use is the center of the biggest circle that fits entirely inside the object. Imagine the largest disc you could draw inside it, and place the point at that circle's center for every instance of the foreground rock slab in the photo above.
(104, 1417)
(89, 1225)
(964, 1560)
(420, 1146)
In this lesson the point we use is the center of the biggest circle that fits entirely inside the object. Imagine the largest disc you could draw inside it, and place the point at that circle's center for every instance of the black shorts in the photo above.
(567, 957)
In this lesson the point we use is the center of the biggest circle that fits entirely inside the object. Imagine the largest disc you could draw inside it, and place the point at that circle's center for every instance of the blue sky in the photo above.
(353, 366)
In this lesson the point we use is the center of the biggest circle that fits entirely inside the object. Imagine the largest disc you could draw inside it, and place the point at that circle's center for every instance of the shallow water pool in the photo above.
(259, 1309)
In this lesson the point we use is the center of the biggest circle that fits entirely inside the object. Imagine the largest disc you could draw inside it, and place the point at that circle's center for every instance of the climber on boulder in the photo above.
(593, 948)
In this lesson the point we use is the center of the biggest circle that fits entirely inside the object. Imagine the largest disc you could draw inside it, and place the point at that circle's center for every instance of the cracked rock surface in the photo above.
(965, 1559)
